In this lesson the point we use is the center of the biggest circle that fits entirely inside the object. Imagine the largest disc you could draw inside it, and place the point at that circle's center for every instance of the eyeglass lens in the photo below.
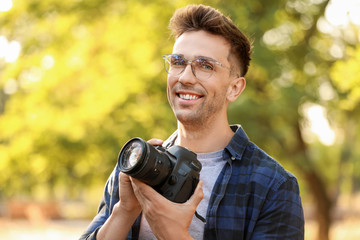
(202, 68)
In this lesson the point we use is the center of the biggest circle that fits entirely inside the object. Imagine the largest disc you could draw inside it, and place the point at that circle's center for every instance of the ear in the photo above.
(236, 87)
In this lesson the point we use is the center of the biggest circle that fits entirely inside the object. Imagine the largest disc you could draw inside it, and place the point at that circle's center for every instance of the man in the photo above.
(243, 192)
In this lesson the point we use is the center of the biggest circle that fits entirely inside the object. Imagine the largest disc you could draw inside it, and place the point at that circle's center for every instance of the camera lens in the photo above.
(142, 161)
(132, 155)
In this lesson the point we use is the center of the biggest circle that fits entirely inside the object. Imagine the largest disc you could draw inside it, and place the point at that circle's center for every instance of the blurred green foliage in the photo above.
(90, 76)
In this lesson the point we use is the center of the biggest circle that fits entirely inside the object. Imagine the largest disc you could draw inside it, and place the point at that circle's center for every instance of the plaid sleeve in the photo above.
(282, 215)
(110, 197)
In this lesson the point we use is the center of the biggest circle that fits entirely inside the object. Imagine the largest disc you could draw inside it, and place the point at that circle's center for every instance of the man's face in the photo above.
(194, 101)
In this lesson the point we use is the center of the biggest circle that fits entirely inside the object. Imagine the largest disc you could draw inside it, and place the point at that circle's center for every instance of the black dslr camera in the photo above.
(174, 172)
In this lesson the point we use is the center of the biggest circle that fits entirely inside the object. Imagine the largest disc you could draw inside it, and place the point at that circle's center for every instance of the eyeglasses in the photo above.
(202, 67)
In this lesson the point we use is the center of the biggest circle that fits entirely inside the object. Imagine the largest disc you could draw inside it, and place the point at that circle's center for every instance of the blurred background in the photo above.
(78, 78)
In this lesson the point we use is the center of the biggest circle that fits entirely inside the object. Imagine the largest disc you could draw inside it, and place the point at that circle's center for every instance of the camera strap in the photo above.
(201, 218)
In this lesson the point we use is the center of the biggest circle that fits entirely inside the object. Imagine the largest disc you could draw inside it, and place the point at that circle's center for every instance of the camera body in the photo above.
(173, 172)
(184, 177)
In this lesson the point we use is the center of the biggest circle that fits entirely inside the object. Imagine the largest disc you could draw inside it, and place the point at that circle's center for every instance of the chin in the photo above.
(190, 119)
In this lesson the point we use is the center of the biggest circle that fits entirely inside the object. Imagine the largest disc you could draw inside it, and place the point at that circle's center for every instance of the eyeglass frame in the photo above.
(166, 57)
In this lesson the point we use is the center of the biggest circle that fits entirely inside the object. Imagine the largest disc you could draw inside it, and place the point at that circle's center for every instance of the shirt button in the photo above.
(233, 158)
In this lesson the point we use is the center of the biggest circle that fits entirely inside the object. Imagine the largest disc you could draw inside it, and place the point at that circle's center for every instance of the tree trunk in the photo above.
(317, 187)
(322, 202)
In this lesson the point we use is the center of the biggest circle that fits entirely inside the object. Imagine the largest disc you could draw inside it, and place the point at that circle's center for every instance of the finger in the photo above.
(155, 141)
(124, 177)
(142, 190)
(198, 195)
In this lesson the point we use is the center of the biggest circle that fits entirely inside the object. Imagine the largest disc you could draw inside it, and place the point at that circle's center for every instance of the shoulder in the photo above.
(255, 165)
(264, 169)
(254, 161)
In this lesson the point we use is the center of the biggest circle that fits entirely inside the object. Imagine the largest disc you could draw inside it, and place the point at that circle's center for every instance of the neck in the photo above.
(210, 137)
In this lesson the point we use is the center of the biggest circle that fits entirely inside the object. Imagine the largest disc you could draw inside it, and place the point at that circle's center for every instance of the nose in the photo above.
(187, 77)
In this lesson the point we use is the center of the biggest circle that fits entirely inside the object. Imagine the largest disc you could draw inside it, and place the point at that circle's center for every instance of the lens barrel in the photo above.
(142, 161)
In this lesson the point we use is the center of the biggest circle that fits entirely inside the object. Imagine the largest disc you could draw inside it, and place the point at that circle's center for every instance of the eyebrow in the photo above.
(197, 57)
(205, 57)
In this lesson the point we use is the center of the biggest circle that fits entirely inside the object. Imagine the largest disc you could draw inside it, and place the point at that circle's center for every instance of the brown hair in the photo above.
(200, 17)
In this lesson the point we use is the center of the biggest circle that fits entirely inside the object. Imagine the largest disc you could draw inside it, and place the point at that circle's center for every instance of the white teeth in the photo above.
(188, 96)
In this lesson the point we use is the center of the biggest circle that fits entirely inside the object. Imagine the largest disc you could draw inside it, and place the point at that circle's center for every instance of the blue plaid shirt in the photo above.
(254, 197)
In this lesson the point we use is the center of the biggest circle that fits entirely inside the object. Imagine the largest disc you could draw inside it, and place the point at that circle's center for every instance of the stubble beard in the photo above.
(200, 117)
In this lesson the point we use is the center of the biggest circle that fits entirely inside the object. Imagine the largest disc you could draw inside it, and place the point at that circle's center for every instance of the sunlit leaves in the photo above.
(80, 88)
(345, 75)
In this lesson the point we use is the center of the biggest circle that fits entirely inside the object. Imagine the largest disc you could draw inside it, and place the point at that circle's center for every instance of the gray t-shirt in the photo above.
(212, 163)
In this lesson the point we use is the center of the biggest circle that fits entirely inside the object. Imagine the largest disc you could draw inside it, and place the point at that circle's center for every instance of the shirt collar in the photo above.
(235, 148)
(237, 144)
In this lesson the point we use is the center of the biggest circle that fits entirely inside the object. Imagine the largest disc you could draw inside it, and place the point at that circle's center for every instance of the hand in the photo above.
(128, 203)
(167, 220)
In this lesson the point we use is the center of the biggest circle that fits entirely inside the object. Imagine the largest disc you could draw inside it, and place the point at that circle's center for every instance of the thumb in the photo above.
(155, 142)
(198, 195)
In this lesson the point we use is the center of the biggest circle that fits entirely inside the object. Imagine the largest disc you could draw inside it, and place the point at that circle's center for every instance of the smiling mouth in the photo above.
(188, 96)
